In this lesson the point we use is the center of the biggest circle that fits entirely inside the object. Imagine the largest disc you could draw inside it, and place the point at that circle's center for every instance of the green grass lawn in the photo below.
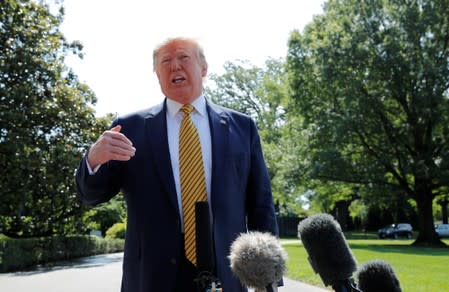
(418, 269)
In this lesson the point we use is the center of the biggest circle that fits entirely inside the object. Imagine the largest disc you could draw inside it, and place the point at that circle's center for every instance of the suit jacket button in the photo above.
(173, 261)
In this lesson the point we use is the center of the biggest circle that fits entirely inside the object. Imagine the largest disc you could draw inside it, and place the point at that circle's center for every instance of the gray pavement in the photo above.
(100, 273)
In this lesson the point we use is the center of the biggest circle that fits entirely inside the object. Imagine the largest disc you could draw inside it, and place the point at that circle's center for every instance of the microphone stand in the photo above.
(206, 280)
(347, 285)
(268, 288)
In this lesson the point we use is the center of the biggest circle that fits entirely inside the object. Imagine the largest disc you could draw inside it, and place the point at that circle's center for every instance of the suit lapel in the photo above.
(156, 134)
(219, 127)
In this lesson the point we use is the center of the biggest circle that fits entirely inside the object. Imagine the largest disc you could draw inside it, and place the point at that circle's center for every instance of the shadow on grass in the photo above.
(360, 235)
(401, 248)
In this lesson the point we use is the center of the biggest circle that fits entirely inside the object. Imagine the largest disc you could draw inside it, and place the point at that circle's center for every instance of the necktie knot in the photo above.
(187, 109)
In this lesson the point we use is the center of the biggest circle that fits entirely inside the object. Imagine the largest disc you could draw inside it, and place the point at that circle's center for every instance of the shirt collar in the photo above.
(199, 104)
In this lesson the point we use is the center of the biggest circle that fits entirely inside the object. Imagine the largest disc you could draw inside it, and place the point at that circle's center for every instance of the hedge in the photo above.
(20, 253)
(118, 230)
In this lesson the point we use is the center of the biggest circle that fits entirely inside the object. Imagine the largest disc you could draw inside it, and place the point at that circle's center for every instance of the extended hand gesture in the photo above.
(111, 145)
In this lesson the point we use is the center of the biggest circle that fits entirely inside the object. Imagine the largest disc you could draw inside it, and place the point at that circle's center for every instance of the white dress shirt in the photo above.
(200, 119)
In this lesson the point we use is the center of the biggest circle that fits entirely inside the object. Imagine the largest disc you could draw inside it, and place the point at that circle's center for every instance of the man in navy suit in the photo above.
(139, 156)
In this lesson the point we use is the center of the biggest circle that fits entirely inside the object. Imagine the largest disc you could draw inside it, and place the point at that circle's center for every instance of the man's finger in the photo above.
(117, 128)
(122, 147)
(119, 136)
(121, 156)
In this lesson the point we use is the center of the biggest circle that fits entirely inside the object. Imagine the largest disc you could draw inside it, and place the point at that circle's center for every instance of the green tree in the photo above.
(371, 80)
(46, 122)
(443, 201)
(106, 215)
(257, 92)
(261, 92)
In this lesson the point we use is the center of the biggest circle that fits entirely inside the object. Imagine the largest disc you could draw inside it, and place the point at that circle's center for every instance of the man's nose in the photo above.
(175, 65)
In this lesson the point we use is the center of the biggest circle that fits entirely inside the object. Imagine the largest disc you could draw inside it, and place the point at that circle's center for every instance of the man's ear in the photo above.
(204, 70)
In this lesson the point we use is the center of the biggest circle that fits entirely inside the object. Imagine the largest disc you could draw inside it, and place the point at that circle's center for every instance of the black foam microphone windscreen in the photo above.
(377, 275)
(205, 257)
(328, 251)
(257, 259)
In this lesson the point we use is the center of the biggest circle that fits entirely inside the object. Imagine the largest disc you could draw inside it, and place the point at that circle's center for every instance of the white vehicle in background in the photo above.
(442, 230)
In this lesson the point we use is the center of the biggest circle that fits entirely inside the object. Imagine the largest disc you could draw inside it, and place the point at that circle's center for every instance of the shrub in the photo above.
(19, 253)
(117, 230)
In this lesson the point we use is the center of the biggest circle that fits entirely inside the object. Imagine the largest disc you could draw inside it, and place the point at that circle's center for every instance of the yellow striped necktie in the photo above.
(193, 182)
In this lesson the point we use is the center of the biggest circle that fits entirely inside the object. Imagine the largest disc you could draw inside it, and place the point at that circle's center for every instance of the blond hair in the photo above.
(194, 42)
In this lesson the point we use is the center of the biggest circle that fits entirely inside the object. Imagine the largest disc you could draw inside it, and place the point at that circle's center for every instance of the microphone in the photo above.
(258, 260)
(328, 252)
(205, 258)
(377, 275)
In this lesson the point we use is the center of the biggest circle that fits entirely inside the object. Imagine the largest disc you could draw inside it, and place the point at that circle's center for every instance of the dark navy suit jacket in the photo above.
(240, 198)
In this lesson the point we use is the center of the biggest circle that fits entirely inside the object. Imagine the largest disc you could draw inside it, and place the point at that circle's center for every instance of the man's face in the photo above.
(180, 72)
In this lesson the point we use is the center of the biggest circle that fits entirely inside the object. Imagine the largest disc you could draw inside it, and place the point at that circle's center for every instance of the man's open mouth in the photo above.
(178, 79)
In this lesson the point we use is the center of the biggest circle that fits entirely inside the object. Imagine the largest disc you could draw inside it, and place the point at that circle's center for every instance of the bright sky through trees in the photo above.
(119, 37)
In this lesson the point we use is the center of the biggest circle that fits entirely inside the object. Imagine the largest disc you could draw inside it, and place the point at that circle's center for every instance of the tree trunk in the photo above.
(342, 213)
(443, 205)
(427, 235)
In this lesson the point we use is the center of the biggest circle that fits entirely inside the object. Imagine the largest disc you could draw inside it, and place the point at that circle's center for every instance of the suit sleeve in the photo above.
(261, 213)
(101, 186)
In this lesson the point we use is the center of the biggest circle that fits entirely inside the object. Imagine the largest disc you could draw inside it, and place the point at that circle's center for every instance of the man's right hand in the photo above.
(112, 145)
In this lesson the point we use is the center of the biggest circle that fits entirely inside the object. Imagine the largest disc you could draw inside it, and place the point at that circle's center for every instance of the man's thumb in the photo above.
(116, 128)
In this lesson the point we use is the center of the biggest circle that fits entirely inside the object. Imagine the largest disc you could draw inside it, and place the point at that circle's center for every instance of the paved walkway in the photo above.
(100, 273)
